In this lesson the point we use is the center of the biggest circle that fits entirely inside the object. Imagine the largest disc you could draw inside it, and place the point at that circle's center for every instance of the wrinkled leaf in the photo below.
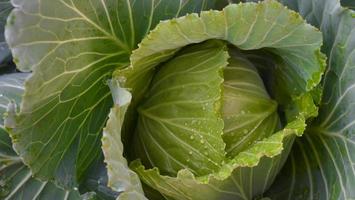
(268, 26)
(321, 164)
(72, 48)
(121, 178)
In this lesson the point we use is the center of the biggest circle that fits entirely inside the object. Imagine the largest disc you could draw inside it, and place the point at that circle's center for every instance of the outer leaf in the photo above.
(321, 165)
(5, 8)
(249, 26)
(11, 89)
(16, 181)
(73, 46)
(96, 182)
(264, 25)
(122, 179)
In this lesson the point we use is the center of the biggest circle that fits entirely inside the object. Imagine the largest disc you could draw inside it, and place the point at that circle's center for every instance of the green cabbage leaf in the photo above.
(178, 100)
(16, 181)
(72, 47)
(326, 150)
(198, 85)
(5, 55)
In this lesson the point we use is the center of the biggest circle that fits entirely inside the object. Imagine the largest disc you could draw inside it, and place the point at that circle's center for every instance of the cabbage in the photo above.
(195, 100)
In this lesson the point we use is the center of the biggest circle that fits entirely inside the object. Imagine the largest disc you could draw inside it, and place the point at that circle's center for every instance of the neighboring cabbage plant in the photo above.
(200, 115)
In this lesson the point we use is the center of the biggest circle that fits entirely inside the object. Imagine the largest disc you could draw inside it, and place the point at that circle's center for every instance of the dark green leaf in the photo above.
(5, 55)
(322, 163)
(72, 46)
(97, 181)
(348, 3)
(16, 181)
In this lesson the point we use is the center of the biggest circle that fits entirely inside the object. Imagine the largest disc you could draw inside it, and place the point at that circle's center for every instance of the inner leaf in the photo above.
(179, 123)
(249, 113)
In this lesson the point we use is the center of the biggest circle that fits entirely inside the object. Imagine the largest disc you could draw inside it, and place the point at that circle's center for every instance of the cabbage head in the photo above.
(175, 100)
(210, 104)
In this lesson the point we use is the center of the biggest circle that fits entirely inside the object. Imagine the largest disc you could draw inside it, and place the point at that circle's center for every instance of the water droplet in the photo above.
(205, 147)
(188, 160)
(190, 152)
(192, 137)
(242, 112)
(245, 131)
(206, 153)
(75, 188)
(202, 141)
